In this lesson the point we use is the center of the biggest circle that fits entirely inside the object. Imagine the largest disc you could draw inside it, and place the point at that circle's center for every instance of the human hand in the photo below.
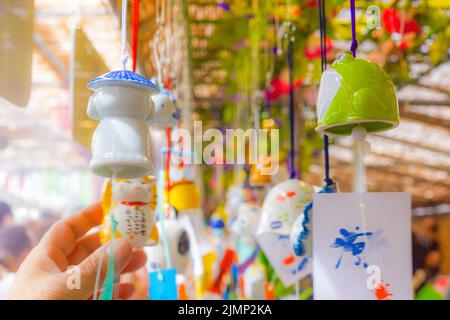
(43, 273)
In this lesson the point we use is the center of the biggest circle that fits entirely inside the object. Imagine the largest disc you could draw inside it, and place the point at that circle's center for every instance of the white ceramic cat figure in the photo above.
(246, 223)
(166, 113)
(134, 210)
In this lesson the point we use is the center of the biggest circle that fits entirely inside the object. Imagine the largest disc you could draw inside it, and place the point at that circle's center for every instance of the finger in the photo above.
(137, 261)
(89, 266)
(62, 236)
(84, 247)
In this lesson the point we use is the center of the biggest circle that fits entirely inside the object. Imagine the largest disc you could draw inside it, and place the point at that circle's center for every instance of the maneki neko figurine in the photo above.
(131, 203)
(121, 141)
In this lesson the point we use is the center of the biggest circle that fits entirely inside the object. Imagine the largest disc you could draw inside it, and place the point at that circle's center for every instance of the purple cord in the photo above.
(323, 56)
(292, 173)
(354, 44)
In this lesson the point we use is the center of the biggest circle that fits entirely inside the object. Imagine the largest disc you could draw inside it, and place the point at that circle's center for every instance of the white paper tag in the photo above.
(362, 246)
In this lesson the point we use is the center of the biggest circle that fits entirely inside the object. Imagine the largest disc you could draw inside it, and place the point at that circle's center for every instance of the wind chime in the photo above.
(300, 232)
(356, 98)
(284, 201)
(121, 153)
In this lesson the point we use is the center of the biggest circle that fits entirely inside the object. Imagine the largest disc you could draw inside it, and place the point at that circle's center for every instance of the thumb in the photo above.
(90, 266)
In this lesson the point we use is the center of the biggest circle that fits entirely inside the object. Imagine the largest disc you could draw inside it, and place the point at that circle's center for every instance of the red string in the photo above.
(168, 131)
(134, 32)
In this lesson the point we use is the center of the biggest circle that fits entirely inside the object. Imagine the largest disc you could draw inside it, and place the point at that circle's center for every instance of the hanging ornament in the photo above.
(166, 114)
(246, 222)
(184, 195)
(121, 140)
(177, 244)
(217, 226)
(282, 205)
(234, 197)
(132, 202)
(356, 93)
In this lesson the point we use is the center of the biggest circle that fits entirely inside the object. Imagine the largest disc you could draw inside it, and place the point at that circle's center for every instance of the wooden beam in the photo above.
(402, 161)
(433, 121)
(52, 59)
(426, 102)
(420, 145)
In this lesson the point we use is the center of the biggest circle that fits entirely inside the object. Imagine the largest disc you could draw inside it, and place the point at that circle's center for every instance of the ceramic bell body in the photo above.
(178, 244)
(184, 195)
(121, 141)
(356, 92)
(282, 205)
(132, 203)
(166, 114)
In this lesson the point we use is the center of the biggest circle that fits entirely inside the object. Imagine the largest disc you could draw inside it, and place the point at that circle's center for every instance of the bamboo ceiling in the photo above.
(414, 157)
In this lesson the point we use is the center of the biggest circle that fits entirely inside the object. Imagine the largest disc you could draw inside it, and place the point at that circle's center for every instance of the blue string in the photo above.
(292, 173)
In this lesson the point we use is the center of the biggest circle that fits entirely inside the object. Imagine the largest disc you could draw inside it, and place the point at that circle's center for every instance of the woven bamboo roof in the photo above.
(415, 157)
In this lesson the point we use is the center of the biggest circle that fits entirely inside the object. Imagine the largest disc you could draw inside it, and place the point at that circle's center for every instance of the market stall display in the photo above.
(254, 150)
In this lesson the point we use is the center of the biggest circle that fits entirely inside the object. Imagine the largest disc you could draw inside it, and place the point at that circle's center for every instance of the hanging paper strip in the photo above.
(362, 246)
(162, 285)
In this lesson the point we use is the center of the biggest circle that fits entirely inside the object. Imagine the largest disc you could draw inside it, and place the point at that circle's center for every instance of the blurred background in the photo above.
(50, 49)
